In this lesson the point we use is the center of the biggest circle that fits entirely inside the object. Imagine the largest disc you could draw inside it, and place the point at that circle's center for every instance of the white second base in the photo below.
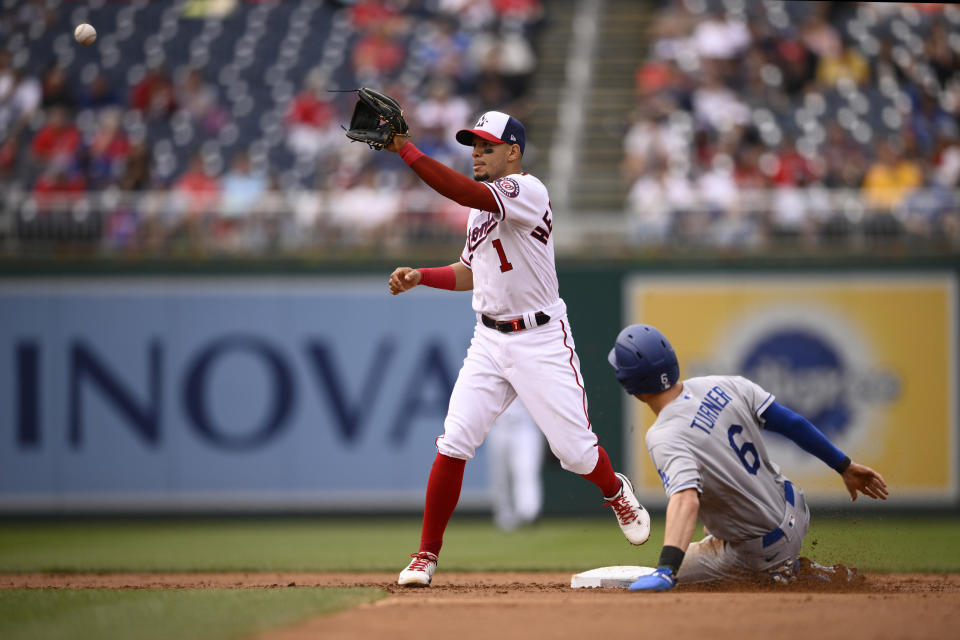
(609, 577)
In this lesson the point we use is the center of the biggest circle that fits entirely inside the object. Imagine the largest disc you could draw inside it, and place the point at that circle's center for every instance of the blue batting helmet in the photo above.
(643, 360)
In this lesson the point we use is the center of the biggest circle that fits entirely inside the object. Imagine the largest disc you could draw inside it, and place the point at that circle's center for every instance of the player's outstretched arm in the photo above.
(861, 478)
(454, 277)
(682, 510)
(442, 179)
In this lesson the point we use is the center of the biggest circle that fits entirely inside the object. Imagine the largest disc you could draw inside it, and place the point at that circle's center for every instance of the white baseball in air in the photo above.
(85, 34)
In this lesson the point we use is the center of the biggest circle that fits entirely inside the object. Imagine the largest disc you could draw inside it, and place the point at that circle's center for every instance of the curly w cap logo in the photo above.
(482, 121)
(508, 186)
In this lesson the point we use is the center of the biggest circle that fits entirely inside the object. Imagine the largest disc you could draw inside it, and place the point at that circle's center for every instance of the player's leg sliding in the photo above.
(618, 493)
(808, 571)
(443, 493)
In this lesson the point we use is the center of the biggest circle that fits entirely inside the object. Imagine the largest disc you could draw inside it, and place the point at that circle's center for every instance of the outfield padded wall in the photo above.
(96, 368)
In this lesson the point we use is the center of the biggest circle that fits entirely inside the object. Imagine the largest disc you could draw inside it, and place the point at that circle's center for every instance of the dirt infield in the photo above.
(468, 606)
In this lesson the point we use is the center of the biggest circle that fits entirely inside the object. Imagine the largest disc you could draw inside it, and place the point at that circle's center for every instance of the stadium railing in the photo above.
(278, 223)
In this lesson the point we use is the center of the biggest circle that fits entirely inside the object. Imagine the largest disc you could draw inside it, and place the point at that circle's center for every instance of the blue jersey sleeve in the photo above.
(794, 426)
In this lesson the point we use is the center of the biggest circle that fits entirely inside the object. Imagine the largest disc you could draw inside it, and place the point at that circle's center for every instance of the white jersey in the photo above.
(709, 438)
(510, 251)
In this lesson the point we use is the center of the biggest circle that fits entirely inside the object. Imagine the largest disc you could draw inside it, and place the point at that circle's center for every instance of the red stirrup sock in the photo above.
(443, 493)
(603, 475)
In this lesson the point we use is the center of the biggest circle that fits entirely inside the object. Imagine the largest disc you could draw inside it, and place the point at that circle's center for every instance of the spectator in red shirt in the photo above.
(369, 13)
(58, 140)
(747, 172)
(310, 119)
(377, 54)
(312, 109)
(154, 94)
(654, 76)
(56, 189)
(794, 169)
(526, 12)
(197, 190)
(108, 149)
(8, 157)
(798, 65)
(195, 197)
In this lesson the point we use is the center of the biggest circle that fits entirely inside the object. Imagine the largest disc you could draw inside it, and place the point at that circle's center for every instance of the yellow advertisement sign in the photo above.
(870, 359)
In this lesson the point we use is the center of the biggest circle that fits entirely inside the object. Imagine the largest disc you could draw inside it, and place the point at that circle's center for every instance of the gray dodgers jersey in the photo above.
(709, 438)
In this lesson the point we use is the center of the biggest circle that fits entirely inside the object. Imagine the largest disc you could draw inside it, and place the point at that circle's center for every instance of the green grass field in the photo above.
(212, 614)
(874, 544)
(472, 544)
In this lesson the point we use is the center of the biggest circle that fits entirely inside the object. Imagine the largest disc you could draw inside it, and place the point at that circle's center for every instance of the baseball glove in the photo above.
(376, 119)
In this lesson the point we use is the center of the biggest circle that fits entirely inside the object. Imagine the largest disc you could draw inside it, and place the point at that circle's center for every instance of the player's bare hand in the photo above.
(403, 279)
(861, 478)
(397, 142)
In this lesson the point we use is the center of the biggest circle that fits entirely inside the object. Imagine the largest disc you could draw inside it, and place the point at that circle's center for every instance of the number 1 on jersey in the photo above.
(504, 263)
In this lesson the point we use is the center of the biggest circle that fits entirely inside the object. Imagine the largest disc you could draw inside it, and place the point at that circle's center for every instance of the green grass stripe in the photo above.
(364, 544)
(147, 614)
(887, 545)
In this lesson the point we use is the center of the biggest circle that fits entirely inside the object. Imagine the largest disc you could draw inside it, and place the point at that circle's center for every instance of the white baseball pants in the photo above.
(540, 365)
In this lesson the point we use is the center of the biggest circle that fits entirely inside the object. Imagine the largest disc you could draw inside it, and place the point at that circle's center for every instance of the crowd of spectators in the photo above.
(155, 145)
(803, 121)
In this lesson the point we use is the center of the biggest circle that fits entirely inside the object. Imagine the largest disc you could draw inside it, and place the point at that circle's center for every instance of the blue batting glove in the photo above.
(660, 580)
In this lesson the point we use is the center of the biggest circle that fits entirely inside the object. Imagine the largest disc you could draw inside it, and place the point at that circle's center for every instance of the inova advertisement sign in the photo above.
(205, 394)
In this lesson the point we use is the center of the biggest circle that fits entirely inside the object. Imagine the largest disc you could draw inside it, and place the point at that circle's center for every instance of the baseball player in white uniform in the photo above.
(707, 446)
(522, 344)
